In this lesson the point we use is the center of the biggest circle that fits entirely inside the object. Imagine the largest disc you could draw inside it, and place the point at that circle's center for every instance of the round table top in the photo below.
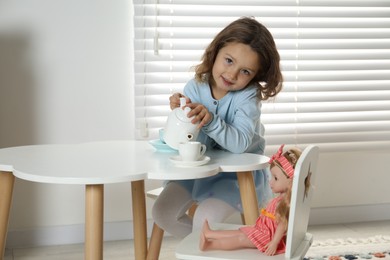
(86, 163)
(114, 161)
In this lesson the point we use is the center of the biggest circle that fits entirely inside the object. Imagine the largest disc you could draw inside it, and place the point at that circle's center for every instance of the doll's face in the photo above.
(279, 182)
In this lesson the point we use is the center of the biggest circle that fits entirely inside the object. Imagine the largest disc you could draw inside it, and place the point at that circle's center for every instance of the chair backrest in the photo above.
(305, 171)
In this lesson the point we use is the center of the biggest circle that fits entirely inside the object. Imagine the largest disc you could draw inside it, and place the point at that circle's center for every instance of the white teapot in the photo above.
(179, 128)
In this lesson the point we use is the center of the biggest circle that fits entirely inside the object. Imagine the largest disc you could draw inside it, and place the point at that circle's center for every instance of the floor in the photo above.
(119, 250)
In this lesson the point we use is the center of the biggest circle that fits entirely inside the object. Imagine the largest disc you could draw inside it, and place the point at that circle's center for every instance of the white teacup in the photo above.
(191, 151)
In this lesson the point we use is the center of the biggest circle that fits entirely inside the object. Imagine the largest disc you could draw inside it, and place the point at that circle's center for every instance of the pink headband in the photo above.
(286, 165)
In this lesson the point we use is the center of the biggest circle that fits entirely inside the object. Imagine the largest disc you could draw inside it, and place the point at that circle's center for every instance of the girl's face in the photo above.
(235, 66)
(279, 182)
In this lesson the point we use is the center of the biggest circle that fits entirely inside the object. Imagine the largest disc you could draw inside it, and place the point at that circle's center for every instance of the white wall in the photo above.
(65, 77)
(66, 72)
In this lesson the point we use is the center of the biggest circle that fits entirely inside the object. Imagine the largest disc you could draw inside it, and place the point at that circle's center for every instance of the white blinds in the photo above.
(335, 57)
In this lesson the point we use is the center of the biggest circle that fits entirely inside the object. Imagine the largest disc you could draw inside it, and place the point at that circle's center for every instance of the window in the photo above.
(335, 58)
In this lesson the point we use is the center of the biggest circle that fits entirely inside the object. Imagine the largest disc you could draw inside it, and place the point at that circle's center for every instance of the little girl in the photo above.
(269, 232)
(239, 69)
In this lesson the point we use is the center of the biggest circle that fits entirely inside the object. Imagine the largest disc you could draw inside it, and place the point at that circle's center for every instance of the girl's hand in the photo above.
(174, 100)
(200, 113)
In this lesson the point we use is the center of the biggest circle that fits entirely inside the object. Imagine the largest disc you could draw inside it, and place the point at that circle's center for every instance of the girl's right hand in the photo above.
(174, 100)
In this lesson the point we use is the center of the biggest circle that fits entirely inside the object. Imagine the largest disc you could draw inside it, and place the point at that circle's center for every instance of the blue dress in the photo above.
(235, 127)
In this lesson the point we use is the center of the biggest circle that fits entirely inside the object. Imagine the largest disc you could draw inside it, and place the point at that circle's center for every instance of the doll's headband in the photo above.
(283, 162)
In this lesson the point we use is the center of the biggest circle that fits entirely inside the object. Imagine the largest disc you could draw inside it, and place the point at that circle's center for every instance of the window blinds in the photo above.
(335, 58)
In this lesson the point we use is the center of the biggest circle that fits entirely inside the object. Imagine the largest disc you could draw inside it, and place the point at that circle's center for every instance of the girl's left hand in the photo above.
(200, 113)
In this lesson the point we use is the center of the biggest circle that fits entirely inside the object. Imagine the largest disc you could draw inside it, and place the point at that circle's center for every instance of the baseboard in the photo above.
(74, 234)
(70, 234)
(349, 214)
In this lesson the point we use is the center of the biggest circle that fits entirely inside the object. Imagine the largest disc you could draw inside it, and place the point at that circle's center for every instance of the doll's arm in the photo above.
(279, 233)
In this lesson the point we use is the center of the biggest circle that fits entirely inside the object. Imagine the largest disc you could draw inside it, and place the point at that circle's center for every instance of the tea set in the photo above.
(179, 135)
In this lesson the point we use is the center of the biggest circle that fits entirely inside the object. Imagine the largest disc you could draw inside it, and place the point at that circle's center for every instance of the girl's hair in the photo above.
(283, 208)
(247, 31)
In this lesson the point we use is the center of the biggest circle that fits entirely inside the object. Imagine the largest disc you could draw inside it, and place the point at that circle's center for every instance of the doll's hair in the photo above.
(248, 31)
(292, 155)
(282, 211)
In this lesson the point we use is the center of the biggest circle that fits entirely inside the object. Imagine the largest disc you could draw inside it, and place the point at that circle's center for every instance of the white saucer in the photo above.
(178, 162)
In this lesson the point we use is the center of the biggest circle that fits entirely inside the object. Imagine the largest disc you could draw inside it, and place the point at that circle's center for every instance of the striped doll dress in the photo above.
(264, 229)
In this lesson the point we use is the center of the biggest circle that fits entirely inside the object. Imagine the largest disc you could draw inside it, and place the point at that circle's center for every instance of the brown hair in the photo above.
(250, 32)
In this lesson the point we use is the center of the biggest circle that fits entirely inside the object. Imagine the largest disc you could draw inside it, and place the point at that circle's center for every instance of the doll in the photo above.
(269, 233)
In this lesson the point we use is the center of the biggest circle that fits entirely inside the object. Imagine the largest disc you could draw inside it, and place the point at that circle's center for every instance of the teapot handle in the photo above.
(182, 102)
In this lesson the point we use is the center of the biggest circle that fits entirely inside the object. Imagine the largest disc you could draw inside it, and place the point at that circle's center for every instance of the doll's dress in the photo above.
(264, 229)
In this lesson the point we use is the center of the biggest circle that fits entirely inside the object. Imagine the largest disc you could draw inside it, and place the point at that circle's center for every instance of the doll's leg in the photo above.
(208, 233)
(223, 239)
(169, 210)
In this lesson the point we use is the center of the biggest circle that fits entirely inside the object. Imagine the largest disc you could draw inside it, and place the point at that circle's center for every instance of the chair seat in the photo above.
(188, 248)
(153, 194)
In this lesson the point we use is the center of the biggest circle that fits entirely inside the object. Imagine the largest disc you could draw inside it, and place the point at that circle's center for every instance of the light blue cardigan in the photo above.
(235, 127)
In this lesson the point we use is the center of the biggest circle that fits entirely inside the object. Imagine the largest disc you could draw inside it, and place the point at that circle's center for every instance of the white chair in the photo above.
(298, 240)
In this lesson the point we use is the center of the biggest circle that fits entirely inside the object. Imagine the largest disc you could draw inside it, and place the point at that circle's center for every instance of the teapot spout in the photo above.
(190, 136)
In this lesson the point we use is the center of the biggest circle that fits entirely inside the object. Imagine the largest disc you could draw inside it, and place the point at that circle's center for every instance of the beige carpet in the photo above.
(351, 248)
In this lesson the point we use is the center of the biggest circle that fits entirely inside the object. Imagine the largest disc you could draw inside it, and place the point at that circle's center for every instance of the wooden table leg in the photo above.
(139, 219)
(155, 242)
(94, 210)
(7, 180)
(248, 197)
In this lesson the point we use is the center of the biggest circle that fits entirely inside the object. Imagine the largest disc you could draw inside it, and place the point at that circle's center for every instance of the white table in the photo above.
(89, 164)
(98, 163)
